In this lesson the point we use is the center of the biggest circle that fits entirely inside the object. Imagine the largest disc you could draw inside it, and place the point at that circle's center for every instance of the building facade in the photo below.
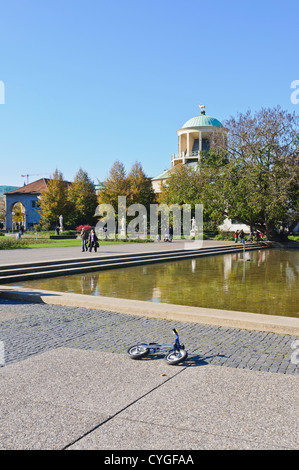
(27, 197)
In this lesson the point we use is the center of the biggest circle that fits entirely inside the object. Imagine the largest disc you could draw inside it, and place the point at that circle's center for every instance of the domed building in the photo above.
(193, 138)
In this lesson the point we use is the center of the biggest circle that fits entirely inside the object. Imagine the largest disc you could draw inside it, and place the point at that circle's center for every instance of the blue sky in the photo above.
(88, 83)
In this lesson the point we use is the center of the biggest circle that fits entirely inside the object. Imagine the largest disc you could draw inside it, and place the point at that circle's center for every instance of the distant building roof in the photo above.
(167, 173)
(31, 188)
(36, 187)
(162, 176)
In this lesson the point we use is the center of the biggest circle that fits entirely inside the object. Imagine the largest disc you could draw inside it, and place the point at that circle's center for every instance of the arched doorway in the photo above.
(18, 216)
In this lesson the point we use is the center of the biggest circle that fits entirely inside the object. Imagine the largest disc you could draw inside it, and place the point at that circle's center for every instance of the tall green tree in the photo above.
(135, 186)
(54, 200)
(82, 198)
(190, 185)
(183, 186)
(116, 184)
(140, 190)
(258, 181)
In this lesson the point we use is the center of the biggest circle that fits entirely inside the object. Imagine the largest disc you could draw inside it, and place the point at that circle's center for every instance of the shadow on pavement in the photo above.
(193, 360)
(28, 297)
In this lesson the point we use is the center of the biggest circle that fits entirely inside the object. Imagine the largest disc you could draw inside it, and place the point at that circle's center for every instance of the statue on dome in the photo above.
(202, 108)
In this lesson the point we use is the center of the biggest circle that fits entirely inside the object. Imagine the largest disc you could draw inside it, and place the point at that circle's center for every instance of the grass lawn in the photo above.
(9, 243)
(52, 243)
(66, 243)
(295, 238)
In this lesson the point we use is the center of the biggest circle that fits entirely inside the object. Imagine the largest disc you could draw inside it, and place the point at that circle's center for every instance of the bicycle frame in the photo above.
(166, 347)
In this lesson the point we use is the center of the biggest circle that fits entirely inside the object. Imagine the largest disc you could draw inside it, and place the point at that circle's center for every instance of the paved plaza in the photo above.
(23, 255)
(67, 383)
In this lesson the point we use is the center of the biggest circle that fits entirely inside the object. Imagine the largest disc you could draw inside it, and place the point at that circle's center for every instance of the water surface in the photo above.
(266, 282)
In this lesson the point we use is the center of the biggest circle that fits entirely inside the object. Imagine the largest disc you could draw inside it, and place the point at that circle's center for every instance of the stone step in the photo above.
(29, 271)
(58, 264)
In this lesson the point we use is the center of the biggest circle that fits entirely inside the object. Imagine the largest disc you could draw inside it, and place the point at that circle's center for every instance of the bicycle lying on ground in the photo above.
(176, 352)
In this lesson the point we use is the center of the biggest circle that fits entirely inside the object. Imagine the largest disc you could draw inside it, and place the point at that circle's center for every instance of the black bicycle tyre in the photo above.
(138, 351)
(176, 357)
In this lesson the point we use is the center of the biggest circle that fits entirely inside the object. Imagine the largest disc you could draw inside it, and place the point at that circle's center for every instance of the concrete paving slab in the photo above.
(86, 380)
(206, 408)
(54, 398)
(125, 435)
(44, 426)
(76, 399)
(232, 404)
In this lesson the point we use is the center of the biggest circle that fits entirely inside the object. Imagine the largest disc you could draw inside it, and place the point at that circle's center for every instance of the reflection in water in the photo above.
(265, 281)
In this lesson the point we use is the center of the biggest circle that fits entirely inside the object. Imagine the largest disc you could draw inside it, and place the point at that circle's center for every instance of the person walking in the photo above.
(84, 238)
(242, 236)
(93, 240)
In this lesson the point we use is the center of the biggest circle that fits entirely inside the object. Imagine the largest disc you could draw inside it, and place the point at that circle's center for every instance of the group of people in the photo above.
(241, 235)
(89, 240)
(167, 237)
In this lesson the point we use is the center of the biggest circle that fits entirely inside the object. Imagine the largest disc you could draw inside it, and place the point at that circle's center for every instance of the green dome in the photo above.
(202, 121)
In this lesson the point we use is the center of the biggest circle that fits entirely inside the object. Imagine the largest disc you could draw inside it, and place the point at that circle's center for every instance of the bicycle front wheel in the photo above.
(138, 351)
(176, 357)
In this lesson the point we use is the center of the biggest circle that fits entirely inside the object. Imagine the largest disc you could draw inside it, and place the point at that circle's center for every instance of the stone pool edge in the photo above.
(209, 316)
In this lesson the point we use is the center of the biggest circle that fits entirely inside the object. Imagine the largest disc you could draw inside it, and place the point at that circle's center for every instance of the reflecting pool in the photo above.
(267, 282)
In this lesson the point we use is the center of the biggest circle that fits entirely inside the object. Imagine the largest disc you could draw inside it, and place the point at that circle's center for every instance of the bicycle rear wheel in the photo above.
(138, 351)
(176, 357)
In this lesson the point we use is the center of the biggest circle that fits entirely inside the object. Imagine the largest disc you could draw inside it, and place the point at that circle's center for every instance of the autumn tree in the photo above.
(54, 200)
(136, 186)
(258, 181)
(18, 213)
(116, 184)
(82, 198)
(140, 190)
